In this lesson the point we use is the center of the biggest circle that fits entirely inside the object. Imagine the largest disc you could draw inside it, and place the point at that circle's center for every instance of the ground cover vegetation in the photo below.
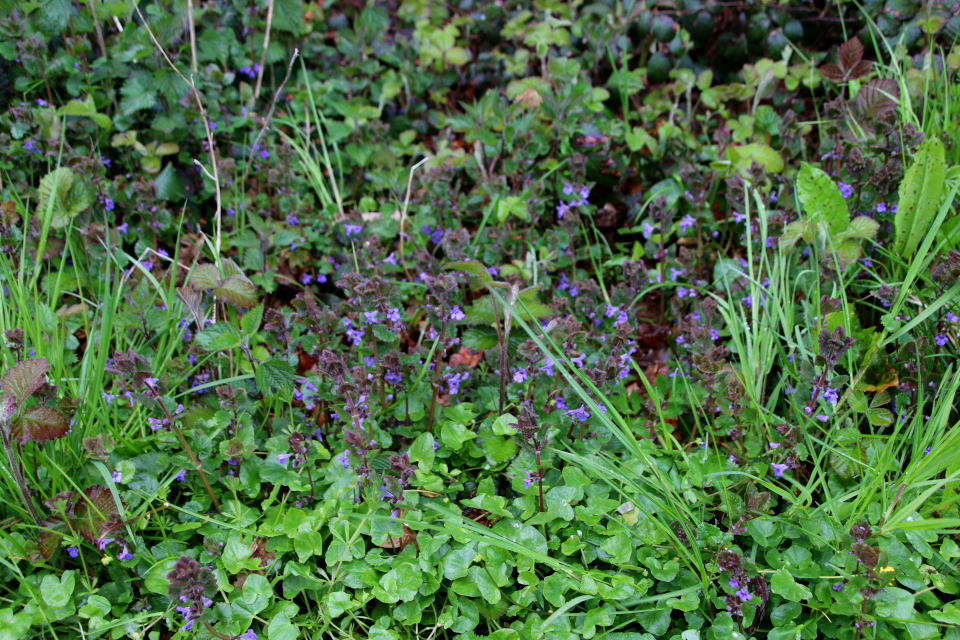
(517, 320)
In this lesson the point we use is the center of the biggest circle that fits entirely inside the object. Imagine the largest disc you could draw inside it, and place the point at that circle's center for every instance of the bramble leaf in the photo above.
(39, 424)
(25, 378)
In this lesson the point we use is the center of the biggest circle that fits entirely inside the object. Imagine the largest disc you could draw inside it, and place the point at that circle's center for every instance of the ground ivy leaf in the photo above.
(456, 563)
(783, 584)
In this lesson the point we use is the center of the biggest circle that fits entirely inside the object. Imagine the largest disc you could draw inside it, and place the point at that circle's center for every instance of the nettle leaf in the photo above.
(863, 227)
(250, 321)
(919, 196)
(238, 291)
(61, 196)
(479, 338)
(822, 200)
(25, 378)
(221, 336)
(274, 377)
(39, 424)
(205, 276)
(92, 510)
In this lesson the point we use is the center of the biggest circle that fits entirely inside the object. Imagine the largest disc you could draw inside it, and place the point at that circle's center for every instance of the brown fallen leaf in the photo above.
(466, 356)
(890, 379)
(409, 537)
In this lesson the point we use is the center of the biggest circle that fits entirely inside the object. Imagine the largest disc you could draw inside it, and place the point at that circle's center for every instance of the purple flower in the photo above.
(344, 459)
(231, 212)
(520, 375)
(822, 418)
(580, 414)
(846, 190)
(213, 126)
(562, 210)
(73, 552)
(952, 317)
(352, 229)
(42, 103)
(117, 476)
(734, 583)
(830, 395)
(547, 368)
(264, 154)
(881, 208)
(249, 634)
(778, 469)
(456, 314)
(927, 450)
(370, 316)
(559, 404)
(306, 279)
(686, 222)
(941, 340)
(182, 476)
(744, 595)
(436, 446)
(567, 189)
(579, 360)
(293, 220)
(123, 228)
(682, 292)
(125, 555)
(393, 315)
(837, 587)
(774, 445)
(283, 457)
(103, 542)
(529, 477)
(108, 204)
(584, 194)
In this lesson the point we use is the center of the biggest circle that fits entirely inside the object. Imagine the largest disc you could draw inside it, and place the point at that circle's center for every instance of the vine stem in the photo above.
(186, 448)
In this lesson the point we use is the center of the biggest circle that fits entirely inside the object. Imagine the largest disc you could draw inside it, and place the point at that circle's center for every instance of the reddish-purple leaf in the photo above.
(39, 424)
(25, 378)
(850, 54)
(92, 510)
(862, 69)
(876, 97)
(831, 72)
(50, 536)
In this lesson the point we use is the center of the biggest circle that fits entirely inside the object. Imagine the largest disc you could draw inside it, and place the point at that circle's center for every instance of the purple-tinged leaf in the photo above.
(39, 424)
(50, 536)
(238, 291)
(205, 276)
(850, 54)
(863, 68)
(876, 97)
(93, 510)
(25, 378)
(831, 72)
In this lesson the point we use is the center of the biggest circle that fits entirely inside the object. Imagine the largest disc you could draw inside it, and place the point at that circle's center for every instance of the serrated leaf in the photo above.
(920, 193)
(92, 510)
(61, 196)
(25, 378)
(39, 424)
(238, 291)
(274, 377)
(783, 584)
(205, 276)
(821, 199)
(219, 337)
(849, 251)
(831, 72)
(850, 54)
(876, 97)
(862, 227)
(479, 338)
(792, 234)
(250, 321)
(50, 536)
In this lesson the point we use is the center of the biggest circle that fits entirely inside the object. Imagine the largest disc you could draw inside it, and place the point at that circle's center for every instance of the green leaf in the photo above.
(454, 435)
(257, 592)
(307, 543)
(783, 584)
(60, 195)
(236, 557)
(250, 321)
(168, 184)
(237, 290)
(479, 338)
(764, 155)
(895, 603)
(950, 614)
(456, 563)
(422, 451)
(274, 377)
(822, 200)
(138, 93)
(479, 276)
(58, 593)
(221, 336)
(862, 227)
(281, 628)
(920, 193)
